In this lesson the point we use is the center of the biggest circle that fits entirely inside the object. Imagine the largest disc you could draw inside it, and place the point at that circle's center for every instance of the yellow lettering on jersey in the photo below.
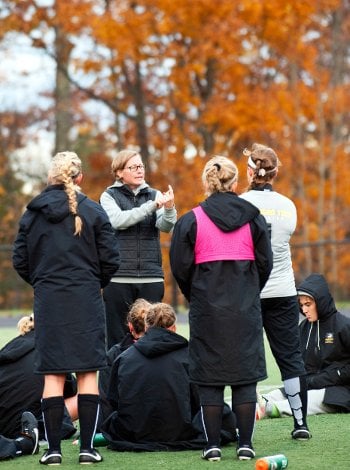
(280, 213)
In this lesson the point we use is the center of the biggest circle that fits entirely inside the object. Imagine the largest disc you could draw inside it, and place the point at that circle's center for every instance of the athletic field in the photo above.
(329, 447)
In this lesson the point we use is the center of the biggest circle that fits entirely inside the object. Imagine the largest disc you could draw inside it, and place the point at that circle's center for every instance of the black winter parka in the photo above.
(226, 333)
(21, 389)
(67, 273)
(155, 406)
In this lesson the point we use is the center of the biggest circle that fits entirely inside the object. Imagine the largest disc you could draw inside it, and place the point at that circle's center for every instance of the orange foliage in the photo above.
(185, 80)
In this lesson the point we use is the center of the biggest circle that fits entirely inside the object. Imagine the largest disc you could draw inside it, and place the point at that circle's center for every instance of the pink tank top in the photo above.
(212, 244)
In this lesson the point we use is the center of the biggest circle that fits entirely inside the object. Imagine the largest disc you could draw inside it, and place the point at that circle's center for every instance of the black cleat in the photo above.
(51, 457)
(245, 452)
(301, 434)
(87, 456)
(213, 454)
(29, 428)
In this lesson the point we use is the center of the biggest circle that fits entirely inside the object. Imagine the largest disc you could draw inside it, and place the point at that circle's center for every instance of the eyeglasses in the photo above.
(134, 168)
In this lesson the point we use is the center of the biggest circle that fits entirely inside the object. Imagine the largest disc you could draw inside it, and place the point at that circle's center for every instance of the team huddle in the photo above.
(103, 347)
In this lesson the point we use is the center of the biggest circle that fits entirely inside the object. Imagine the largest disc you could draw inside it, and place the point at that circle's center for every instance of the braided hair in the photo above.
(64, 168)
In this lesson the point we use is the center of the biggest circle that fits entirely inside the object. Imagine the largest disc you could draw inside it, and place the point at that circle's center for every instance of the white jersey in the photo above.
(281, 216)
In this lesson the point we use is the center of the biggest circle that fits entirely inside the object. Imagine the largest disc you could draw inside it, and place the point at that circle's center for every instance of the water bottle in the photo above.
(272, 462)
(99, 440)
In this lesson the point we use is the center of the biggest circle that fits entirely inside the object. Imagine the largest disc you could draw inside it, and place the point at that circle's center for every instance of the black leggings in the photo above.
(243, 405)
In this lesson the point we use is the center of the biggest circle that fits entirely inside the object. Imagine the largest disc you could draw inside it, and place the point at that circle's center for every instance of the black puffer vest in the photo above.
(139, 245)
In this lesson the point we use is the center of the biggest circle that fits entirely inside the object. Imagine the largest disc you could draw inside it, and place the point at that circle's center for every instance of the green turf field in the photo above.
(329, 447)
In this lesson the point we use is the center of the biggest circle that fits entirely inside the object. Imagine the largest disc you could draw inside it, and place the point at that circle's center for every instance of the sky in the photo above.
(25, 74)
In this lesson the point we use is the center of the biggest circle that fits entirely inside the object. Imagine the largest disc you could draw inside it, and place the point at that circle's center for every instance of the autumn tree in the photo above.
(309, 54)
(181, 81)
(12, 204)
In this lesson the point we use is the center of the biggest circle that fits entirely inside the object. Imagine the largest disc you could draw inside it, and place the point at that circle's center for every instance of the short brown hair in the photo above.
(120, 160)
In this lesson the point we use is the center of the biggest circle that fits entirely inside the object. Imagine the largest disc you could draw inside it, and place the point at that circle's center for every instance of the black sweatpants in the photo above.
(280, 320)
(118, 299)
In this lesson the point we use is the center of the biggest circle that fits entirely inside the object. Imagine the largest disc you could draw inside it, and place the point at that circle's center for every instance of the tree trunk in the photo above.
(63, 101)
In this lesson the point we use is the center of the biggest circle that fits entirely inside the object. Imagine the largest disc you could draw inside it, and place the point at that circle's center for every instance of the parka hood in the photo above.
(229, 212)
(17, 348)
(53, 203)
(316, 286)
(159, 341)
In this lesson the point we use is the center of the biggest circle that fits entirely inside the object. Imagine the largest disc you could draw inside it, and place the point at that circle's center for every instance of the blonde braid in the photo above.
(66, 166)
(69, 188)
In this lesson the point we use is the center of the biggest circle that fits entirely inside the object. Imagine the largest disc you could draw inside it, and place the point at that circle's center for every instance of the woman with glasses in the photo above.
(138, 213)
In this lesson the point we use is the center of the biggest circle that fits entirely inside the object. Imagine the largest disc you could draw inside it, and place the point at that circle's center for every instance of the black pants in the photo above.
(281, 319)
(118, 299)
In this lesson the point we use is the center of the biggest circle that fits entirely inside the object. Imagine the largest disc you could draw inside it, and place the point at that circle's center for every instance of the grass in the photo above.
(14, 313)
(329, 446)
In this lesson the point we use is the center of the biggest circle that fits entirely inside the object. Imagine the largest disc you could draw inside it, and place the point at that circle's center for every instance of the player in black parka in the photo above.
(21, 390)
(156, 408)
(325, 346)
(221, 258)
(136, 325)
(67, 251)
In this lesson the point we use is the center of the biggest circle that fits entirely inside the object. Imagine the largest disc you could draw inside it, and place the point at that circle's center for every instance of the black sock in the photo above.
(303, 397)
(245, 414)
(52, 409)
(88, 411)
(212, 421)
